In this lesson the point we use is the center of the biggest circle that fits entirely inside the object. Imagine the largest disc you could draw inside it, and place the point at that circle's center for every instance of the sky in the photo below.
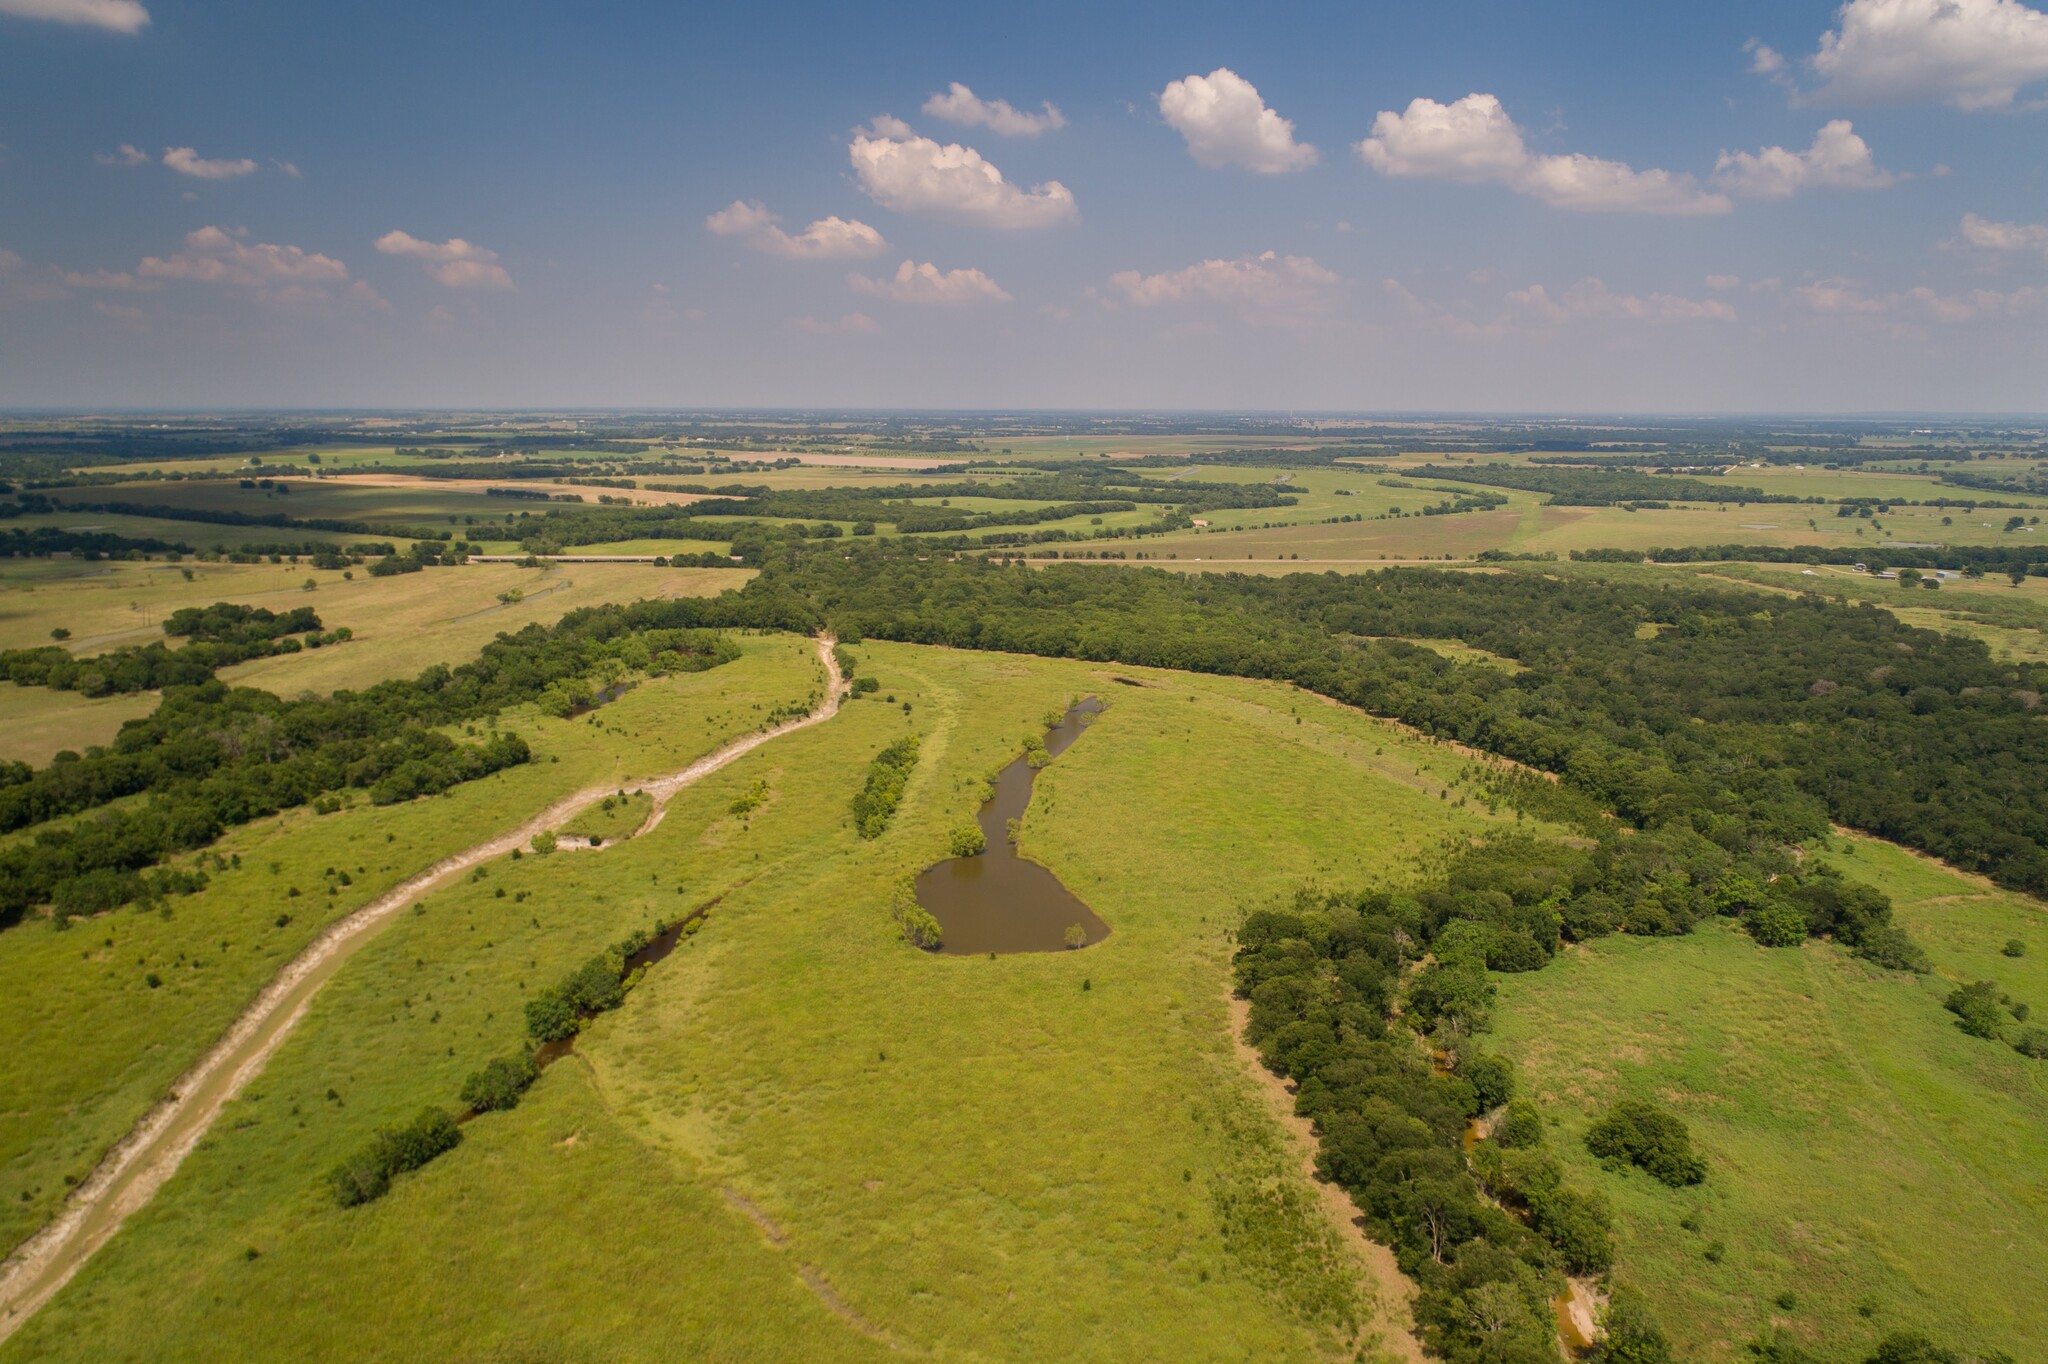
(1460, 206)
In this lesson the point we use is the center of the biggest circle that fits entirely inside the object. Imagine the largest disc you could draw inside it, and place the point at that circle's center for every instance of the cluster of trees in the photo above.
(1578, 487)
(597, 986)
(213, 757)
(44, 541)
(878, 797)
(1324, 977)
(501, 1082)
(221, 634)
(1753, 723)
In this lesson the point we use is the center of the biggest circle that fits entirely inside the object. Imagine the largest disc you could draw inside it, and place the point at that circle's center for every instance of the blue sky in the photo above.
(1477, 206)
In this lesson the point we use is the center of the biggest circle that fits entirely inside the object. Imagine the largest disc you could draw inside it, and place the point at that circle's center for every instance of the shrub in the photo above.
(1076, 936)
(1632, 1335)
(968, 840)
(2033, 1042)
(500, 1083)
(1648, 1136)
(1977, 1010)
(920, 929)
(1910, 1347)
(888, 774)
(1520, 1127)
(2014, 948)
(393, 1151)
(1492, 1079)
(544, 842)
(1776, 924)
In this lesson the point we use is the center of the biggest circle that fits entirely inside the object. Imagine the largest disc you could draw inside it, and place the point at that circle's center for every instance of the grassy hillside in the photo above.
(1867, 1158)
(837, 1138)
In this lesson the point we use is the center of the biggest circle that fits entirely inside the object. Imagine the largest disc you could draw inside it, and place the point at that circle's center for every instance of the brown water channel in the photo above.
(1001, 901)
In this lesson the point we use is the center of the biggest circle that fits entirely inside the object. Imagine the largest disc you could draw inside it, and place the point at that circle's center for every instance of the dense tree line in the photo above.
(214, 516)
(1953, 558)
(1577, 487)
(1753, 722)
(222, 634)
(43, 541)
(880, 794)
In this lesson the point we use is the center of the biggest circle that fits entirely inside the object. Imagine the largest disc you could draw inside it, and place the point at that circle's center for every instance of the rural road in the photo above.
(131, 1173)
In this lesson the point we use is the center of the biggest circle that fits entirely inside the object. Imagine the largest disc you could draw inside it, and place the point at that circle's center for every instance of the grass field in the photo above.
(94, 1044)
(811, 1138)
(36, 723)
(1865, 1155)
(402, 623)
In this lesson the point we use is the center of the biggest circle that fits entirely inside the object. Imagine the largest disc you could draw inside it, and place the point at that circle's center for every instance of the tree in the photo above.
(1646, 1135)
(1632, 1335)
(1076, 936)
(967, 840)
(1910, 1347)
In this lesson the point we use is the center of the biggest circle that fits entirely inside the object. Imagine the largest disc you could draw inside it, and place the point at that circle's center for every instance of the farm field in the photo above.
(37, 723)
(804, 1098)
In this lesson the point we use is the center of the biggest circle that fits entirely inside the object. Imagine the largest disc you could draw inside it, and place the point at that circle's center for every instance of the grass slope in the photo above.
(1866, 1156)
(800, 1137)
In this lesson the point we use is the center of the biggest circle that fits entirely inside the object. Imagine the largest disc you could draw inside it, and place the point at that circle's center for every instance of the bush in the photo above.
(920, 929)
(2014, 948)
(1492, 1079)
(500, 1083)
(888, 774)
(1776, 924)
(1977, 1009)
(1632, 1335)
(968, 840)
(367, 1175)
(1910, 1347)
(2033, 1042)
(1647, 1136)
(1520, 1127)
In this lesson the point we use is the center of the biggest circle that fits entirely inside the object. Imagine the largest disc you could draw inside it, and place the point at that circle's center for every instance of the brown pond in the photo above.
(1001, 901)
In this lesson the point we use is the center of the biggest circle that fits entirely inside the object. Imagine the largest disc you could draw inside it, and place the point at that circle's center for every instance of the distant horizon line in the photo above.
(1287, 414)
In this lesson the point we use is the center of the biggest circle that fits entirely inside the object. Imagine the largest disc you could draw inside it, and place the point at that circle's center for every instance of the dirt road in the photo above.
(131, 1173)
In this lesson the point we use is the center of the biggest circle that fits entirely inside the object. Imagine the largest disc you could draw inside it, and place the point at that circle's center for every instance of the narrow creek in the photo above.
(1000, 900)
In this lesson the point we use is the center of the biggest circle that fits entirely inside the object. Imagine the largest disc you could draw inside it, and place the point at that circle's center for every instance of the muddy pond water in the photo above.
(1000, 901)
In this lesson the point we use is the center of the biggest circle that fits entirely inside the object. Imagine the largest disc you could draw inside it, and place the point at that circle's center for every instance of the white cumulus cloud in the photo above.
(1227, 124)
(1474, 141)
(273, 273)
(121, 16)
(926, 283)
(1267, 282)
(833, 238)
(186, 161)
(961, 105)
(455, 263)
(127, 156)
(1838, 159)
(1985, 235)
(911, 174)
(1973, 54)
(1845, 300)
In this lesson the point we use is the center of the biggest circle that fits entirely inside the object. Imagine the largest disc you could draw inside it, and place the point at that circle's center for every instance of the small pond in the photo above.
(1000, 901)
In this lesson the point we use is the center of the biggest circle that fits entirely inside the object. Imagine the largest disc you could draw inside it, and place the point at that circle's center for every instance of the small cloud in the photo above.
(850, 324)
(362, 293)
(127, 157)
(832, 238)
(9, 261)
(1838, 159)
(961, 105)
(1590, 300)
(455, 263)
(1767, 61)
(1473, 140)
(926, 283)
(1267, 284)
(118, 16)
(1900, 313)
(910, 174)
(1981, 234)
(287, 168)
(1721, 284)
(1225, 123)
(186, 161)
